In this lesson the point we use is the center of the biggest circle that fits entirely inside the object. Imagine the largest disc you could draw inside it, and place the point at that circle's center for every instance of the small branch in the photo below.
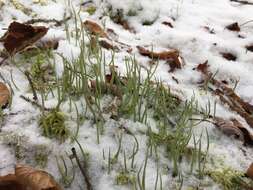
(242, 2)
(34, 103)
(27, 74)
(84, 173)
(57, 22)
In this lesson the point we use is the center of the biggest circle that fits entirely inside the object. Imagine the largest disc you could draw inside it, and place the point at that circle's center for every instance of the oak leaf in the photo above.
(20, 36)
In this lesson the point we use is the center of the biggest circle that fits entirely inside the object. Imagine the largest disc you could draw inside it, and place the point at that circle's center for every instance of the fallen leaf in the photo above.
(249, 48)
(94, 29)
(28, 178)
(172, 57)
(167, 24)
(250, 171)
(4, 95)
(208, 29)
(203, 67)
(20, 36)
(9, 182)
(174, 64)
(234, 27)
(107, 45)
(35, 179)
(228, 128)
(228, 56)
(48, 44)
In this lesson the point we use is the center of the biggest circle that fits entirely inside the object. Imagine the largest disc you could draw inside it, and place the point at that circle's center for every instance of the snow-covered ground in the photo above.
(192, 21)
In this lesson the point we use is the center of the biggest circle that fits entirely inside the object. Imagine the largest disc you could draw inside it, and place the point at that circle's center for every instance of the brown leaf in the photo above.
(9, 182)
(228, 128)
(172, 57)
(167, 24)
(19, 36)
(4, 95)
(48, 44)
(211, 31)
(203, 67)
(228, 56)
(28, 178)
(107, 45)
(249, 48)
(35, 179)
(174, 63)
(234, 27)
(94, 29)
(233, 127)
(250, 171)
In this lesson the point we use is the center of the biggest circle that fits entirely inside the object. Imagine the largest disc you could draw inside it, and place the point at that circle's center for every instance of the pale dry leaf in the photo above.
(35, 179)
(4, 95)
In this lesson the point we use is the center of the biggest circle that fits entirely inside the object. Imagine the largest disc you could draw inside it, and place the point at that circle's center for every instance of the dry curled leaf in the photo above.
(20, 36)
(105, 44)
(203, 67)
(9, 182)
(172, 57)
(228, 56)
(234, 27)
(250, 48)
(167, 24)
(4, 95)
(94, 29)
(28, 178)
(233, 127)
(35, 179)
(250, 171)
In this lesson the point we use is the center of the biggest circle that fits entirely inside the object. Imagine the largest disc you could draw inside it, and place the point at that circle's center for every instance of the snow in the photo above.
(196, 45)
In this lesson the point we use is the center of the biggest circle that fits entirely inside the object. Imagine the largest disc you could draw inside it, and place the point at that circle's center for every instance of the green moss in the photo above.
(124, 178)
(53, 125)
(91, 10)
(229, 179)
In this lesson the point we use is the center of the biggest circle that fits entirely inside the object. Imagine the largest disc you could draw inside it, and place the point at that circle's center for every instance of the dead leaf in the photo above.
(228, 128)
(9, 182)
(4, 95)
(28, 178)
(250, 171)
(48, 44)
(19, 36)
(233, 127)
(208, 29)
(35, 179)
(107, 45)
(234, 27)
(94, 29)
(172, 57)
(167, 24)
(203, 67)
(249, 48)
(228, 56)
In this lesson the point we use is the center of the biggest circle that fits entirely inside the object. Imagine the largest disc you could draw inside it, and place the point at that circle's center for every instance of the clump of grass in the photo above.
(125, 178)
(53, 125)
(229, 179)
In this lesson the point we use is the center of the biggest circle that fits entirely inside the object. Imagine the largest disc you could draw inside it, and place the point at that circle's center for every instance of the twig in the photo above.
(242, 2)
(57, 22)
(34, 103)
(27, 74)
(86, 177)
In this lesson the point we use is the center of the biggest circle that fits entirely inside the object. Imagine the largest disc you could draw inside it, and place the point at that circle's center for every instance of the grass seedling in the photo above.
(66, 178)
